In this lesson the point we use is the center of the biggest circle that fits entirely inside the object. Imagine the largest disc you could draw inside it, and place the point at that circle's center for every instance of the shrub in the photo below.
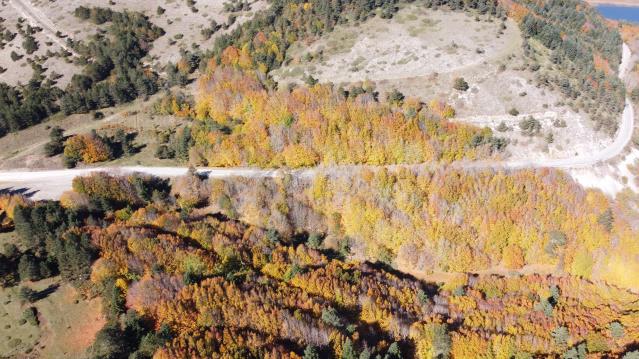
(513, 112)
(395, 97)
(164, 152)
(460, 84)
(28, 294)
(502, 127)
(31, 315)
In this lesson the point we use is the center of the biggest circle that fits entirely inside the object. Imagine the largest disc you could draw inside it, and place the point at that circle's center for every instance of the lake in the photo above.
(628, 13)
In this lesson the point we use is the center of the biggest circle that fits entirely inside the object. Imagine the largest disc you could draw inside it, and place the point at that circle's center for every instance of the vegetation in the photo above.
(177, 283)
(116, 56)
(583, 54)
(93, 147)
(239, 122)
(483, 219)
(24, 106)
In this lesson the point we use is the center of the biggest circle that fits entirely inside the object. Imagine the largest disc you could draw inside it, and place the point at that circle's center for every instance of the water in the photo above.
(627, 13)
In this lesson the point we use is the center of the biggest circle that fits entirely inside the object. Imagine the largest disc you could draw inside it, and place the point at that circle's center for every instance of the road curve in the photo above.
(51, 184)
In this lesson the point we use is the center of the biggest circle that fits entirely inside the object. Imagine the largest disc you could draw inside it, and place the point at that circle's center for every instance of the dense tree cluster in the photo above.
(584, 52)
(239, 122)
(263, 40)
(420, 220)
(93, 147)
(27, 105)
(116, 55)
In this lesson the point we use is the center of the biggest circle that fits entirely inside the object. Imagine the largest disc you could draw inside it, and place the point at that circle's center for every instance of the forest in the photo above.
(179, 281)
(239, 122)
(115, 55)
(584, 54)
(417, 220)
(112, 73)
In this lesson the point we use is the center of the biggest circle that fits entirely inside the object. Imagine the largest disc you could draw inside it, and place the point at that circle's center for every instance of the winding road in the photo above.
(51, 184)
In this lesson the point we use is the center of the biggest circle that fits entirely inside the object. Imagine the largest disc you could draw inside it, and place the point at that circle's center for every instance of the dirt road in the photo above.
(614, 2)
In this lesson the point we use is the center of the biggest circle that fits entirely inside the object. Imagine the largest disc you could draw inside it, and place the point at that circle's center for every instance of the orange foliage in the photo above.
(316, 125)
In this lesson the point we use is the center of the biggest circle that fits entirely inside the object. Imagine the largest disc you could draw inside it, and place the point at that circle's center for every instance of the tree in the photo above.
(28, 268)
(29, 44)
(617, 330)
(348, 352)
(561, 336)
(74, 254)
(109, 343)
(183, 144)
(55, 146)
(310, 352)
(606, 219)
(330, 317)
(460, 84)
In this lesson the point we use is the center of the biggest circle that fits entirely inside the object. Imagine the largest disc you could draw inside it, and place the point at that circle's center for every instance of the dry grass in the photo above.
(68, 323)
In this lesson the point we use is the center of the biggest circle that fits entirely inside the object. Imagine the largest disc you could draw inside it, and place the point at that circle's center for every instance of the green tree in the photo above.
(330, 317)
(310, 352)
(55, 145)
(348, 352)
(28, 268)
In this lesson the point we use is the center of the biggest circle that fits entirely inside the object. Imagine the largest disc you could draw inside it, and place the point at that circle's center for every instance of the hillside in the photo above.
(179, 282)
(314, 179)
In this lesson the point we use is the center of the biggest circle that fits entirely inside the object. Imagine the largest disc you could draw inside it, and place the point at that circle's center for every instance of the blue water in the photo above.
(628, 13)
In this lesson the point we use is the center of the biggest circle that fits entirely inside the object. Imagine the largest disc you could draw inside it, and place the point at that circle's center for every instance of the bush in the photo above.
(28, 294)
(460, 84)
(513, 112)
(31, 315)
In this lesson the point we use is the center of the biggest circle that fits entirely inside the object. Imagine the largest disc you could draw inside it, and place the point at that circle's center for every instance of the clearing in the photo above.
(68, 323)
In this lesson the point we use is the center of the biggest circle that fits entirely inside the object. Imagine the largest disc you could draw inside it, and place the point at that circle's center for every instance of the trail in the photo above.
(51, 184)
